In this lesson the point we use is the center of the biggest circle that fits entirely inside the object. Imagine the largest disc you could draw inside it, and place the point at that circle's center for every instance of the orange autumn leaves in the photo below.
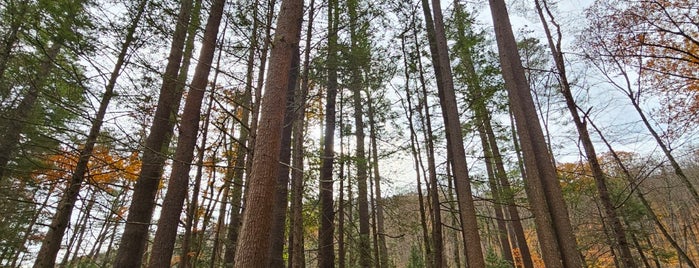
(660, 37)
(105, 166)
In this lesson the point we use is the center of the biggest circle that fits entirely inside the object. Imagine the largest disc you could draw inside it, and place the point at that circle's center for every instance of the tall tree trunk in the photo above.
(495, 190)
(374, 230)
(501, 174)
(199, 245)
(254, 236)
(437, 236)
(115, 226)
(164, 241)
(13, 122)
(455, 146)
(135, 237)
(494, 157)
(297, 257)
(82, 211)
(357, 60)
(109, 222)
(266, 42)
(478, 104)
(341, 251)
(619, 242)
(221, 221)
(35, 218)
(543, 189)
(665, 148)
(243, 148)
(51, 244)
(281, 198)
(414, 149)
(381, 232)
(326, 254)
(192, 208)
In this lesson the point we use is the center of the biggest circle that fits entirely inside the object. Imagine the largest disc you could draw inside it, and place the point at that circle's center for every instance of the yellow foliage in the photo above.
(104, 167)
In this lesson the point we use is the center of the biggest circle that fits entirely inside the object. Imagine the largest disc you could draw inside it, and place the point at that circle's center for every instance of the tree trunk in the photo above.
(414, 149)
(12, 126)
(297, 258)
(164, 241)
(254, 241)
(455, 146)
(515, 219)
(496, 194)
(358, 59)
(243, 149)
(30, 227)
(381, 232)
(135, 237)
(51, 244)
(267, 41)
(620, 242)
(79, 234)
(17, 11)
(341, 251)
(326, 253)
(437, 242)
(192, 208)
(281, 198)
(543, 189)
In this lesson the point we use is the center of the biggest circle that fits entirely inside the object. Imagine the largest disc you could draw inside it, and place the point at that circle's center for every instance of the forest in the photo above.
(349, 133)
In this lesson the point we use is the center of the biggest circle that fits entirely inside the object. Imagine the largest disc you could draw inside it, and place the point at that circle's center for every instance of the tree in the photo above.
(326, 253)
(425, 118)
(620, 242)
(297, 257)
(662, 54)
(164, 242)
(244, 144)
(358, 59)
(51, 245)
(254, 236)
(133, 241)
(455, 143)
(26, 99)
(543, 189)
(281, 199)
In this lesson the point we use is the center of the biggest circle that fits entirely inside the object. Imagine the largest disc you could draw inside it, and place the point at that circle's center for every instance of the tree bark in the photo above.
(134, 239)
(297, 257)
(543, 189)
(192, 208)
(281, 198)
(515, 219)
(243, 149)
(501, 225)
(253, 243)
(326, 254)
(433, 185)
(164, 241)
(17, 11)
(455, 146)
